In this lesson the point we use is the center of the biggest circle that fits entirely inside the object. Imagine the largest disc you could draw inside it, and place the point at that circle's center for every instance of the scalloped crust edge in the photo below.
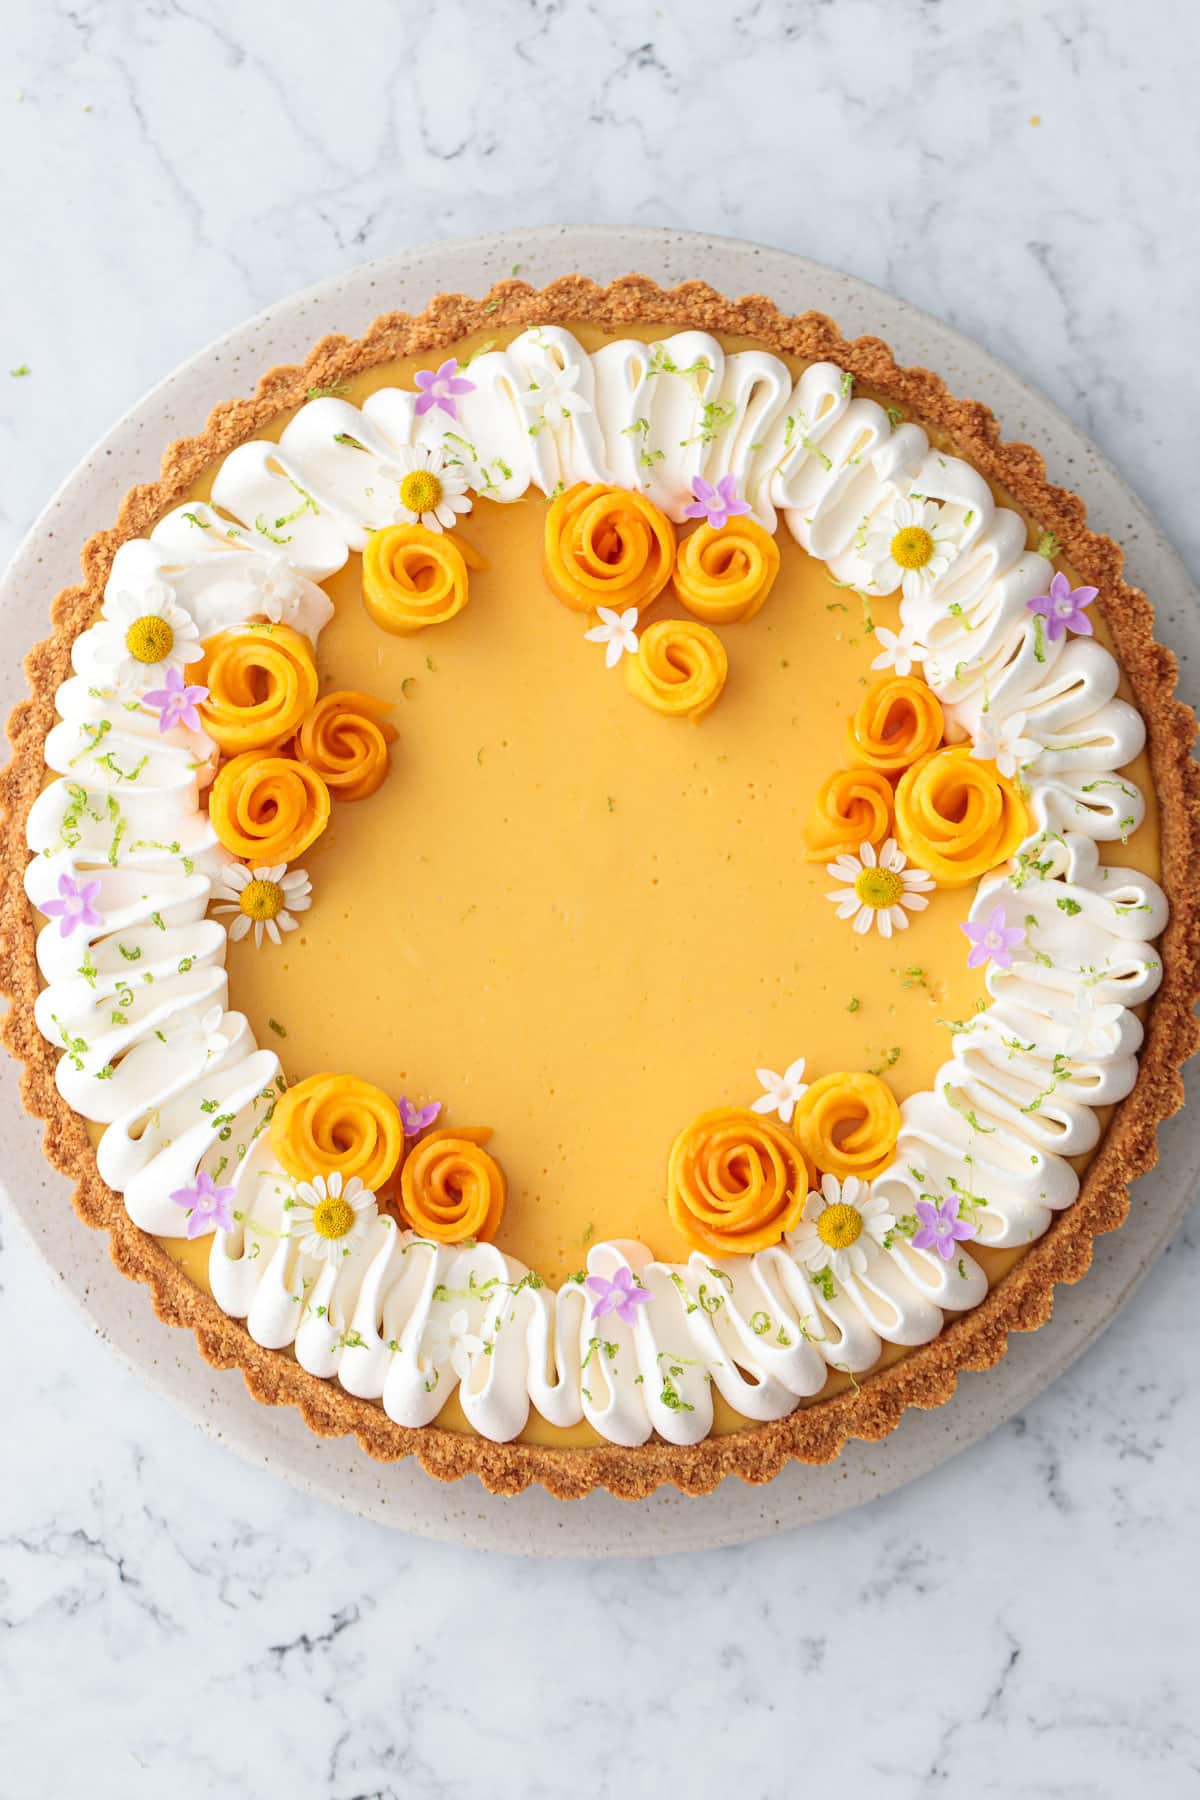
(1023, 1300)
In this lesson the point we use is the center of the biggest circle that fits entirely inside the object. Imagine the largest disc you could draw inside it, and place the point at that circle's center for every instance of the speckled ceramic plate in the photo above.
(401, 1494)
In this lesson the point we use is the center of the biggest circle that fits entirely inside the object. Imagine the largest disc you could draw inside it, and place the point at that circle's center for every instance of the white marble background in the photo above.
(1022, 1623)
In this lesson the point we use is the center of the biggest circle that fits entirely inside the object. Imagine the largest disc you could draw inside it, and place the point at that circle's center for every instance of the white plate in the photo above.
(401, 1494)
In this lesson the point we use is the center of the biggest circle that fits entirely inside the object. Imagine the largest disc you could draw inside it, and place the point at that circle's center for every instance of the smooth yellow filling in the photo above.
(582, 923)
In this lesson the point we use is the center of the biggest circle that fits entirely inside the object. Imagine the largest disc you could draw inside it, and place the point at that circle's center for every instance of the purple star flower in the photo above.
(74, 905)
(993, 940)
(1062, 608)
(941, 1228)
(716, 504)
(416, 1119)
(439, 386)
(208, 1205)
(622, 1295)
(176, 703)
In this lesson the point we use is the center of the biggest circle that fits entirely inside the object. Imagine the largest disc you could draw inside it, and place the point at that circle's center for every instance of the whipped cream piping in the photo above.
(139, 1002)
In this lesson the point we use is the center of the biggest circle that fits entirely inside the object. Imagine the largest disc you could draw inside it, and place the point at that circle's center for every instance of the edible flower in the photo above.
(992, 939)
(781, 1091)
(140, 636)
(1063, 608)
(900, 650)
(440, 386)
(175, 702)
(622, 1295)
(453, 1342)
(715, 503)
(330, 1215)
(834, 1223)
(74, 905)
(208, 1206)
(431, 493)
(554, 397)
(264, 898)
(616, 631)
(879, 888)
(941, 1229)
(911, 549)
(276, 589)
(1003, 743)
(416, 1119)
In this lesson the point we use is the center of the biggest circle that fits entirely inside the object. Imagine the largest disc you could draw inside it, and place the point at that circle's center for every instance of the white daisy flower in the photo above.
(781, 1091)
(451, 1341)
(264, 898)
(431, 491)
(139, 637)
(552, 398)
(330, 1216)
(617, 631)
(878, 889)
(900, 650)
(1001, 741)
(910, 549)
(834, 1224)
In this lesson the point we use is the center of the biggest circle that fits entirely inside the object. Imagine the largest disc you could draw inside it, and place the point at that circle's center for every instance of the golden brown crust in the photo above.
(976, 1340)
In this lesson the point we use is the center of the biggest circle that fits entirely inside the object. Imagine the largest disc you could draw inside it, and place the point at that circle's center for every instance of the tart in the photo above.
(596, 888)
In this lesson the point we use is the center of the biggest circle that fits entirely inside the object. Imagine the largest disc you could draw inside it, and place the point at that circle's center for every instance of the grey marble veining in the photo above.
(1020, 1623)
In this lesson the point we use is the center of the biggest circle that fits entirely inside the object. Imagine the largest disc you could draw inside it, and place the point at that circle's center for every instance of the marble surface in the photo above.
(1020, 1623)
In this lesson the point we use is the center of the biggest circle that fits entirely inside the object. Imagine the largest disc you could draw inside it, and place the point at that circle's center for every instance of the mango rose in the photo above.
(606, 546)
(958, 817)
(450, 1188)
(735, 1182)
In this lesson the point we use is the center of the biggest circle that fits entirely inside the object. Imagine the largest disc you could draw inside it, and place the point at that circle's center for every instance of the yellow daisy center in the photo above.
(839, 1226)
(879, 888)
(421, 491)
(261, 900)
(333, 1218)
(912, 548)
(149, 639)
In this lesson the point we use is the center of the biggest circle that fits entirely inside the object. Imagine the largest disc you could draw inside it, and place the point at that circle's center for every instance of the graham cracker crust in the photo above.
(1022, 1300)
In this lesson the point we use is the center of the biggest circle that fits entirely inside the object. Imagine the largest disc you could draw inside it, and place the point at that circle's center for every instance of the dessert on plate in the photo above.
(596, 887)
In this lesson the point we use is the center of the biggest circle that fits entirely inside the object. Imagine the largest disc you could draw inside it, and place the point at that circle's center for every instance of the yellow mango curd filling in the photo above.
(581, 922)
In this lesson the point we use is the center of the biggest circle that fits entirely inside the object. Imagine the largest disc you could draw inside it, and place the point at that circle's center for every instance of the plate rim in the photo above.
(733, 1514)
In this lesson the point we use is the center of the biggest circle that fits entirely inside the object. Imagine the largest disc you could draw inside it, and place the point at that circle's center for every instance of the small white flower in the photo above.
(203, 1034)
(330, 1216)
(879, 888)
(1090, 1025)
(835, 1222)
(265, 898)
(451, 1342)
(1001, 741)
(430, 491)
(910, 549)
(617, 631)
(553, 398)
(140, 636)
(277, 588)
(900, 650)
(782, 1091)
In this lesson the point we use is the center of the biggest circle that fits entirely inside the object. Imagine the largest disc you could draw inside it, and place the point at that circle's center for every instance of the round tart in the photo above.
(596, 888)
